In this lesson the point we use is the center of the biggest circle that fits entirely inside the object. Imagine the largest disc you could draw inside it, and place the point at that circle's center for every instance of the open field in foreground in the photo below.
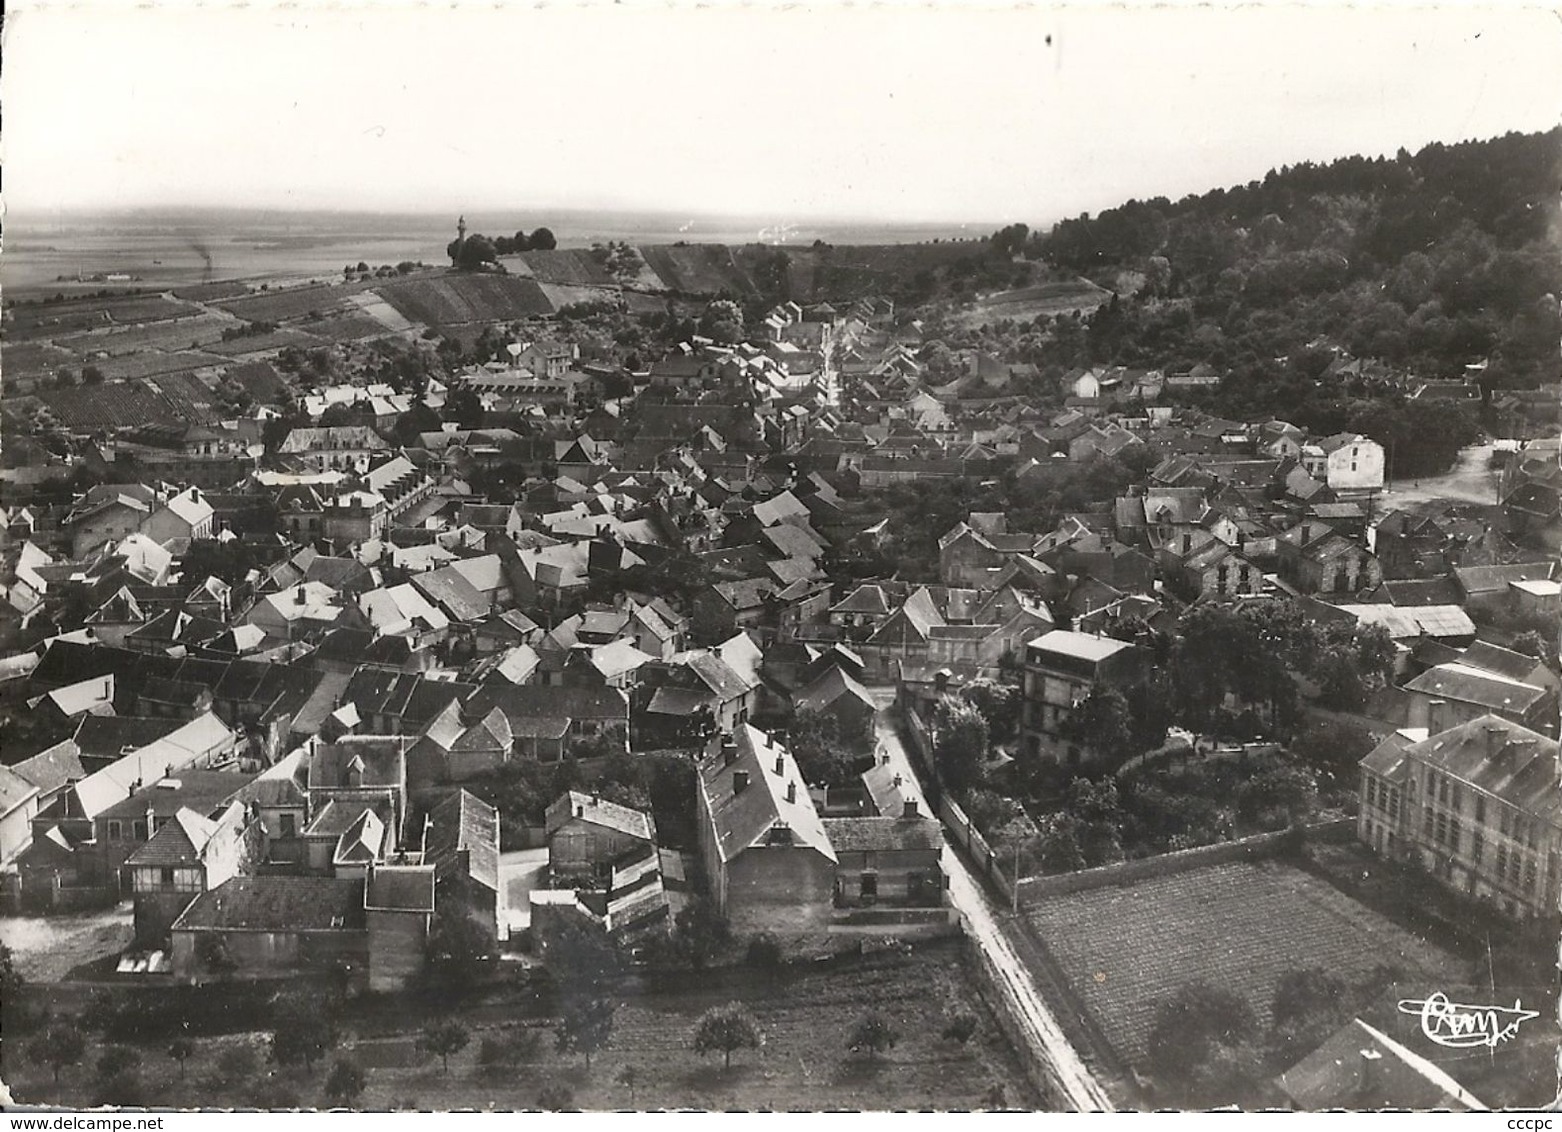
(803, 1064)
(1125, 949)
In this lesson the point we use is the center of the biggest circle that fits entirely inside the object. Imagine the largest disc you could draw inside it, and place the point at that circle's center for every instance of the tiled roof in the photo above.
(401, 888)
(461, 823)
(576, 806)
(883, 834)
(278, 904)
(773, 805)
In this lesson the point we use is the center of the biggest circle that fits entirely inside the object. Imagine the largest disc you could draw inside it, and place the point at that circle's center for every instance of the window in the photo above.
(1480, 809)
(1477, 847)
(1453, 834)
(139, 829)
(1442, 828)
(1372, 792)
(1426, 823)
(1502, 862)
(166, 876)
(1529, 873)
(1454, 796)
(116, 830)
(289, 825)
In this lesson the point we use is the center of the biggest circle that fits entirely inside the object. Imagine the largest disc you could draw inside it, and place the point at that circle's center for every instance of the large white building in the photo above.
(1346, 461)
(1478, 806)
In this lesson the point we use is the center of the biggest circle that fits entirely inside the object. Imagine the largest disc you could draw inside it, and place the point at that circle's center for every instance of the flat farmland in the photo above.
(805, 1017)
(152, 363)
(1126, 948)
(208, 292)
(172, 334)
(700, 269)
(48, 320)
(455, 299)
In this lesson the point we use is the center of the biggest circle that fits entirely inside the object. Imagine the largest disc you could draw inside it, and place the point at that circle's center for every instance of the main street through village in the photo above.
(1044, 1037)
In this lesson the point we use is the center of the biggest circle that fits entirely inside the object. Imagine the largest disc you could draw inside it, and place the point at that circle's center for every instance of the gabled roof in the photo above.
(1361, 1068)
(463, 824)
(1476, 686)
(1501, 758)
(830, 686)
(577, 806)
(178, 841)
(283, 904)
(773, 805)
(1504, 662)
(886, 834)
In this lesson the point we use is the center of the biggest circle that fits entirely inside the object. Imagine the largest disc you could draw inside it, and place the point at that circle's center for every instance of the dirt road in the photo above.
(1075, 1083)
(1472, 480)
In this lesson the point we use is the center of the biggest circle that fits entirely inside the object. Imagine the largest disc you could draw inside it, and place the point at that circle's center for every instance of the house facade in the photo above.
(1477, 806)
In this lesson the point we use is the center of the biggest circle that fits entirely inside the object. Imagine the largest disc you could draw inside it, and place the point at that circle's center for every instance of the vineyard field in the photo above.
(1127, 948)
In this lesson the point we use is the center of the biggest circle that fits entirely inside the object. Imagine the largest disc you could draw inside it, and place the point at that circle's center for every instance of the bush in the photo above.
(120, 1089)
(764, 951)
(555, 1098)
(117, 1059)
(961, 1028)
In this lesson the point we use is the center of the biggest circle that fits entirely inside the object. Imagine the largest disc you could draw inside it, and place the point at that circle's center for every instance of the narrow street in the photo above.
(1077, 1086)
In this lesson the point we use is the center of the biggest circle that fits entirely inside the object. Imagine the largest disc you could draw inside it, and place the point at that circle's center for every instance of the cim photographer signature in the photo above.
(1459, 1025)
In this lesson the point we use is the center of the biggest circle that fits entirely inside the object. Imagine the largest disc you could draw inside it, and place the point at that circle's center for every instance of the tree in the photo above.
(722, 321)
(181, 1049)
(700, 932)
(1278, 795)
(874, 1034)
(825, 755)
(961, 1028)
(115, 1060)
(727, 1028)
(12, 985)
(1531, 643)
(301, 1032)
(555, 1098)
(472, 253)
(543, 240)
(999, 704)
(585, 1025)
(57, 1047)
(458, 945)
(1098, 814)
(1103, 723)
(346, 1081)
(443, 1039)
(629, 1078)
(464, 407)
(1190, 1025)
(960, 742)
(1302, 995)
(91, 375)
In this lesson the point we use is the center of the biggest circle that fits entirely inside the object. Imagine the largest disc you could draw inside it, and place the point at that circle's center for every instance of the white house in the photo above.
(1346, 461)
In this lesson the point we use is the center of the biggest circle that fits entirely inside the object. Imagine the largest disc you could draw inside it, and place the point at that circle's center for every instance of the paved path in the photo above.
(1062, 1064)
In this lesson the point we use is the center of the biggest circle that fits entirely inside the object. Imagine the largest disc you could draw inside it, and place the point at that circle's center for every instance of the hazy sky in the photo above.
(899, 113)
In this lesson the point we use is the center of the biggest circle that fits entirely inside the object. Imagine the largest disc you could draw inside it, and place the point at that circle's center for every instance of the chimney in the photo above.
(729, 750)
(1436, 714)
(909, 809)
(1496, 740)
(1368, 1081)
(791, 792)
(884, 759)
(300, 596)
(739, 782)
(780, 764)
